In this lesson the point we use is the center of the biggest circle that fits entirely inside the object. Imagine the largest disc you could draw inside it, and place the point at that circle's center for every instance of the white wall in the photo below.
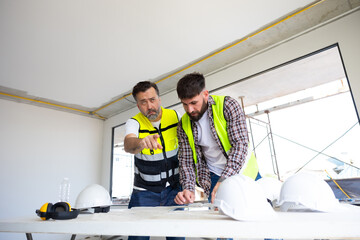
(344, 31)
(38, 147)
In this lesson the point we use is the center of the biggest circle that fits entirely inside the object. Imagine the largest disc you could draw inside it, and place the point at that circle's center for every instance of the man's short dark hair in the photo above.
(190, 85)
(144, 86)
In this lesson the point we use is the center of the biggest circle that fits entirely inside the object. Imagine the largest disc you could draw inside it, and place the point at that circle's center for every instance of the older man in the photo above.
(152, 136)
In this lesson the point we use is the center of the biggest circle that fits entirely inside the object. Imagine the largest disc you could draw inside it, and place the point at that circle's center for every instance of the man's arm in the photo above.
(238, 136)
(186, 162)
(134, 145)
(186, 169)
(213, 193)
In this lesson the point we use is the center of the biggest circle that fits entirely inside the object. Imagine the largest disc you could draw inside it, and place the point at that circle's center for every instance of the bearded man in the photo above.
(213, 139)
(152, 136)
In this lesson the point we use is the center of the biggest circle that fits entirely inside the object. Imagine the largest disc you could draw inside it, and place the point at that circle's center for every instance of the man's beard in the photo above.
(152, 114)
(200, 113)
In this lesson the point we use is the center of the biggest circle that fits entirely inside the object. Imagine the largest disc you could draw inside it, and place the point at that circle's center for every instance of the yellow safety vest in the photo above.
(153, 168)
(168, 128)
(250, 168)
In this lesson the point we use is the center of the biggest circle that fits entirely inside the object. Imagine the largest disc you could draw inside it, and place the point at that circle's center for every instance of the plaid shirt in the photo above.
(238, 136)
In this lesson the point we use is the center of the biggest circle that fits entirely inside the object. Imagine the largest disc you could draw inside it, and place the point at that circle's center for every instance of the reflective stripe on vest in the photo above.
(155, 178)
(153, 168)
(250, 167)
(156, 157)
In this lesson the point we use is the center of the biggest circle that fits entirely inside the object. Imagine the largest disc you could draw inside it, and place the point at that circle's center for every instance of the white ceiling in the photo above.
(85, 54)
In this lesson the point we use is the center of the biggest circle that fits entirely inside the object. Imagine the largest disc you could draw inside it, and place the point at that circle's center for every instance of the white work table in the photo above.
(163, 221)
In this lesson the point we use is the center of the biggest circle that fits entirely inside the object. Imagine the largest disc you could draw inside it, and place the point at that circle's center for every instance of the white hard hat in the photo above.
(306, 191)
(241, 198)
(94, 196)
(271, 187)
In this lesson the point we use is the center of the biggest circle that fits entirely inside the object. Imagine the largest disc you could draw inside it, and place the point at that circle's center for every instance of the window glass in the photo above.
(122, 169)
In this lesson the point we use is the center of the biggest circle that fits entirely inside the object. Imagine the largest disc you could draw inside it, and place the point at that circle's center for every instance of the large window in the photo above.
(301, 117)
(122, 169)
(312, 130)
